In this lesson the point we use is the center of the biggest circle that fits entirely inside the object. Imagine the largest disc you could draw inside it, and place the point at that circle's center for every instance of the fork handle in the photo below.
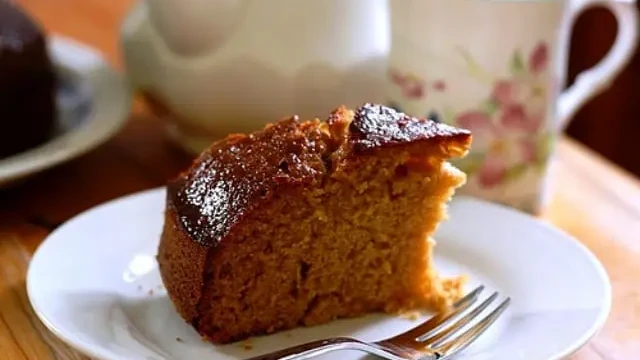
(311, 349)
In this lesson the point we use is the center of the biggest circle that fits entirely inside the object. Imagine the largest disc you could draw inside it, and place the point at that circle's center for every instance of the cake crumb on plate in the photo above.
(247, 344)
(411, 315)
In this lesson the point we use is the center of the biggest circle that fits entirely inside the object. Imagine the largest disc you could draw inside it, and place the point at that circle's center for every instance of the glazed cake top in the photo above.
(236, 174)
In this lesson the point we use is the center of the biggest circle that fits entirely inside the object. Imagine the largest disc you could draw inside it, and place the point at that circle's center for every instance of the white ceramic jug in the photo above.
(221, 66)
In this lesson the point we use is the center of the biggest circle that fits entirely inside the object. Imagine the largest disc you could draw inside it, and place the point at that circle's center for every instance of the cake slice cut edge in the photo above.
(305, 222)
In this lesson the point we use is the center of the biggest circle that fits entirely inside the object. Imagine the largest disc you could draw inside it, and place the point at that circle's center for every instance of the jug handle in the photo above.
(593, 81)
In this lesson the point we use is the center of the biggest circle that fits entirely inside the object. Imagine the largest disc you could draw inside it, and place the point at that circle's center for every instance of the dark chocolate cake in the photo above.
(27, 82)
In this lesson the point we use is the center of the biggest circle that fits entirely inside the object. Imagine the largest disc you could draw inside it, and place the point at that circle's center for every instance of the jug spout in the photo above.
(192, 27)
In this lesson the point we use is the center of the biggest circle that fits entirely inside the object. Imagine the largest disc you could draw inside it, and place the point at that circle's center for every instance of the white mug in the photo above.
(497, 68)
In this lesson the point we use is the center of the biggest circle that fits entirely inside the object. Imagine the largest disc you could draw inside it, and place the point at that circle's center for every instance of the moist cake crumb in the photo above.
(305, 222)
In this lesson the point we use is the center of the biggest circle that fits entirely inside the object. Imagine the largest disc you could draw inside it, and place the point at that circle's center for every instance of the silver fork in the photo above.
(438, 338)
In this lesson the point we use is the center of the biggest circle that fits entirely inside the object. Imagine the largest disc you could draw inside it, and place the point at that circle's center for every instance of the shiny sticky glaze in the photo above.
(376, 125)
(241, 172)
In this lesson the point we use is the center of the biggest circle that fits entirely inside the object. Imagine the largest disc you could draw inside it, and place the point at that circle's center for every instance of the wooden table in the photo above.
(593, 200)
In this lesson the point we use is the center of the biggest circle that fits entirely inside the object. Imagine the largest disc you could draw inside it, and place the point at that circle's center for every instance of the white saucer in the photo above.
(93, 103)
(94, 282)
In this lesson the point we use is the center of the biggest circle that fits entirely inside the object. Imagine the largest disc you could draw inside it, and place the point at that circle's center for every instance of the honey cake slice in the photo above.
(305, 222)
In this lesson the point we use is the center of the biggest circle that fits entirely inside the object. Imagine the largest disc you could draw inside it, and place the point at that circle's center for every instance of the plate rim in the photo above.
(607, 301)
(88, 350)
(101, 353)
(72, 56)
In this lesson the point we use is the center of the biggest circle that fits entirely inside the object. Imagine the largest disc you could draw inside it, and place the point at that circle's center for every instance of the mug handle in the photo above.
(593, 81)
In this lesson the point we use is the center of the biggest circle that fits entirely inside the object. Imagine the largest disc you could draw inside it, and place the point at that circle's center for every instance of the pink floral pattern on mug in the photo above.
(508, 127)
(509, 136)
(414, 87)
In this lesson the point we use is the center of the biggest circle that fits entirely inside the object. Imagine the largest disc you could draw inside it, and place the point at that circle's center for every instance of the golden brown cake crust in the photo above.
(242, 171)
(376, 126)
(181, 261)
(210, 202)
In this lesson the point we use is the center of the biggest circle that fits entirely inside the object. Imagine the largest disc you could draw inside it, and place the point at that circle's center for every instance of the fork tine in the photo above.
(458, 308)
(445, 334)
(470, 297)
(445, 351)
(436, 322)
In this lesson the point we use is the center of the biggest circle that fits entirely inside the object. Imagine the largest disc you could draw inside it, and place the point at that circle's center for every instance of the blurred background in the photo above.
(608, 124)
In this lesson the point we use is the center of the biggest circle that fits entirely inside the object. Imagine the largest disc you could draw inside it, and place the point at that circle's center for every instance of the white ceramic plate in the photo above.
(93, 102)
(94, 282)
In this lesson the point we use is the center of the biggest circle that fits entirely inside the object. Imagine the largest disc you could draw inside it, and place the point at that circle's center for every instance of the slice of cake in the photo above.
(309, 221)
